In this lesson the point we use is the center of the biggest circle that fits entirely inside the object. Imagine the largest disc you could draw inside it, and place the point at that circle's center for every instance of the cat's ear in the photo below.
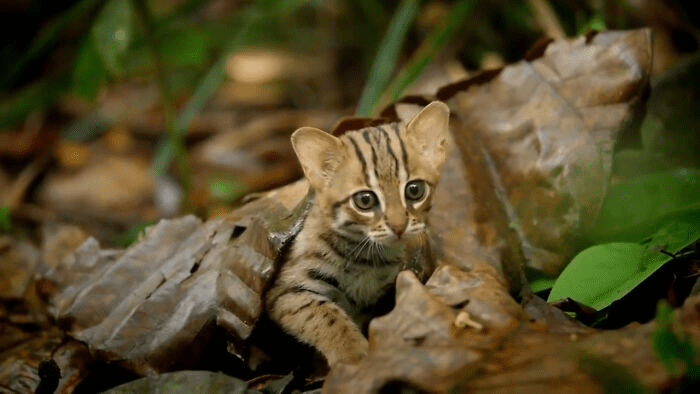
(427, 133)
(319, 154)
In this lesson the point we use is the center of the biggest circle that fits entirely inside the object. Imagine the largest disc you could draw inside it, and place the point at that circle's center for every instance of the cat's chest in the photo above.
(365, 285)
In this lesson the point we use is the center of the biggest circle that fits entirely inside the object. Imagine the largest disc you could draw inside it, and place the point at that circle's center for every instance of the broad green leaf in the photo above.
(112, 33)
(89, 72)
(602, 274)
(634, 209)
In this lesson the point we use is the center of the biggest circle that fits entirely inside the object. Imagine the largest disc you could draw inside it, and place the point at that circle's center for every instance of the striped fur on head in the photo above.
(376, 182)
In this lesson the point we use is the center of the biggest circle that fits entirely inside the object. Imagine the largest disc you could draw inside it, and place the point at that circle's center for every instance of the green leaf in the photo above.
(227, 188)
(634, 209)
(112, 33)
(89, 73)
(5, 219)
(385, 61)
(602, 274)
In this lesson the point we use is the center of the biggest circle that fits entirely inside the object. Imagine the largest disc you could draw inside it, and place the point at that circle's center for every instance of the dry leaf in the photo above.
(539, 135)
(142, 305)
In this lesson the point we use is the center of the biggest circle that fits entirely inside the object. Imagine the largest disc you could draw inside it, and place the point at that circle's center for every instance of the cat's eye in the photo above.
(415, 190)
(365, 200)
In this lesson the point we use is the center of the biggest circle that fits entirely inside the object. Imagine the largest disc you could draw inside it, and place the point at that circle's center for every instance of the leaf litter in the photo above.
(530, 158)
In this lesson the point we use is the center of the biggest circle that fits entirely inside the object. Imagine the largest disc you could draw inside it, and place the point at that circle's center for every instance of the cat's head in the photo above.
(377, 182)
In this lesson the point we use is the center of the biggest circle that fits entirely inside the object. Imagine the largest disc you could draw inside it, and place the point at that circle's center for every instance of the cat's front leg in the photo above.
(314, 319)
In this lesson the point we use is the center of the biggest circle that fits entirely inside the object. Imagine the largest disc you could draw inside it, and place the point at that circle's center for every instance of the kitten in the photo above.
(373, 189)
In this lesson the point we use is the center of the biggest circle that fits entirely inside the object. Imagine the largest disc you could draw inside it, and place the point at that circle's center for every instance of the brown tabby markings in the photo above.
(372, 194)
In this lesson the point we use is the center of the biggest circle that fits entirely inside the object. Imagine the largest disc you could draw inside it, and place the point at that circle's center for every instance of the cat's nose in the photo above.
(398, 229)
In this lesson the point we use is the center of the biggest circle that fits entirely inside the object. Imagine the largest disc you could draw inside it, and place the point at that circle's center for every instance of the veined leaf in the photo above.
(602, 274)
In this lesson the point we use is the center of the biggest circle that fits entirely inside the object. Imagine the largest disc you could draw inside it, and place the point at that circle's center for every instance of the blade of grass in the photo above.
(435, 42)
(385, 61)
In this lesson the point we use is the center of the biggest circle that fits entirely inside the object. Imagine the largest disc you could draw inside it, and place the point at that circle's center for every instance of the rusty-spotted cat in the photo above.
(373, 189)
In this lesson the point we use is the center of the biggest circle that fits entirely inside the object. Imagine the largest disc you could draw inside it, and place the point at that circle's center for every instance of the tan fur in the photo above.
(345, 258)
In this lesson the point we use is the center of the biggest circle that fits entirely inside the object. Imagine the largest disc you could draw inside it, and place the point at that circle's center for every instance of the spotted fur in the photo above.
(373, 189)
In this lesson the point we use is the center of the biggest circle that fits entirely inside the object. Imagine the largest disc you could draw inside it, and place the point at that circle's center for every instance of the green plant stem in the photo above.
(385, 61)
(428, 49)
(175, 138)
